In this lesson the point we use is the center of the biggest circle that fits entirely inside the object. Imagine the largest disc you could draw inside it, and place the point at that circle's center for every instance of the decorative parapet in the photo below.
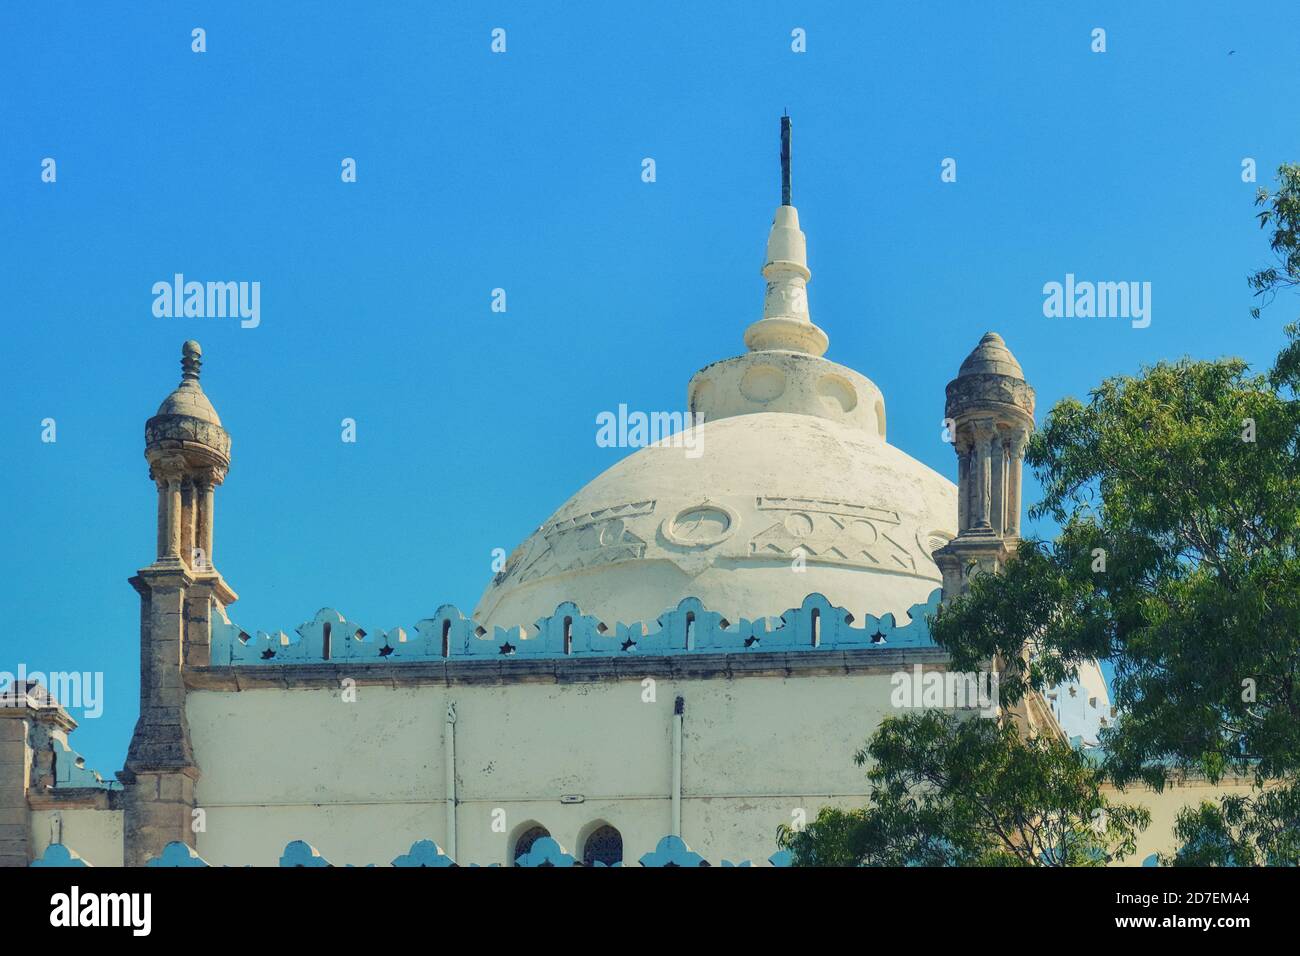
(673, 851)
(545, 852)
(302, 853)
(70, 769)
(424, 853)
(178, 854)
(816, 624)
(56, 854)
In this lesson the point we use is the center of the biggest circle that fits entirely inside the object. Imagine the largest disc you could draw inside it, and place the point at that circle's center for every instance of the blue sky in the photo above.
(522, 171)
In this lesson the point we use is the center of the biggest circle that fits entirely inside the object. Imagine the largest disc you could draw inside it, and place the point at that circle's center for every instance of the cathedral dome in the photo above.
(781, 485)
(726, 520)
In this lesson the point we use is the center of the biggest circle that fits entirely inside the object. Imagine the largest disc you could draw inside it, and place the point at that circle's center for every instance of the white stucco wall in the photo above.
(1165, 806)
(96, 835)
(362, 781)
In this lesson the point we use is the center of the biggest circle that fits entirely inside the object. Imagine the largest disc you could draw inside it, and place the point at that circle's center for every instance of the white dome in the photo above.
(723, 522)
(786, 488)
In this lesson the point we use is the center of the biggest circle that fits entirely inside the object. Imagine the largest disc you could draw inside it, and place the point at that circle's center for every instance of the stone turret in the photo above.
(188, 453)
(181, 593)
(990, 415)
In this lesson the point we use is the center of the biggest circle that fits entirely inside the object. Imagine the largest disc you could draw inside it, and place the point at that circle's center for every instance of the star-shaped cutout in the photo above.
(629, 644)
(507, 648)
(878, 637)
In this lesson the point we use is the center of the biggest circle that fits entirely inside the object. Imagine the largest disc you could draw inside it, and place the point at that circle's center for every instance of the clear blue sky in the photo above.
(522, 171)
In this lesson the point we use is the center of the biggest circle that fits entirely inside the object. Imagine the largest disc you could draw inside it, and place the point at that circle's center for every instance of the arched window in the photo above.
(524, 842)
(605, 845)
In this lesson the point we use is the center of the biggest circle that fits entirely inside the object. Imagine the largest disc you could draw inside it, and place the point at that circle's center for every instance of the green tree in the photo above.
(1177, 495)
(1185, 482)
(1262, 829)
(949, 791)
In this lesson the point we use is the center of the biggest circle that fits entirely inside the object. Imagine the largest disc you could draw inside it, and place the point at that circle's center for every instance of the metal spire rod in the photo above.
(785, 160)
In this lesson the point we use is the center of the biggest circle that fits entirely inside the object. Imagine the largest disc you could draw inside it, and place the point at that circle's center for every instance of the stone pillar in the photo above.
(205, 600)
(160, 769)
(158, 809)
(998, 485)
(963, 448)
(15, 780)
(173, 516)
(983, 473)
(162, 517)
(1015, 465)
(207, 500)
(189, 521)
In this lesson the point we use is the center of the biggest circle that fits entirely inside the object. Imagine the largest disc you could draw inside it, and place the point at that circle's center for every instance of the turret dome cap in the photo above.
(991, 357)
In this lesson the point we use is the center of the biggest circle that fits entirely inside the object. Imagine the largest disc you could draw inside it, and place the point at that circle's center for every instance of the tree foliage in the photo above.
(1177, 496)
(949, 791)
(1257, 829)
(1186, 481)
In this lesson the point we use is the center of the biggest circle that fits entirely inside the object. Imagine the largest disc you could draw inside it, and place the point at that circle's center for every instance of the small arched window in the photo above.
(525, 841)
(605, 845)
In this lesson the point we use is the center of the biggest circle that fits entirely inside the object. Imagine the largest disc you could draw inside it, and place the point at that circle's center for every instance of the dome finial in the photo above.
(191, 361)
(786, 324)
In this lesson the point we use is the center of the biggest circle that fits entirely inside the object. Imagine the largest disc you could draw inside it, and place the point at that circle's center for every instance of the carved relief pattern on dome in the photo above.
(832, 532)
(770, 503)
(630, 510)
(598, 537)
(700, 526)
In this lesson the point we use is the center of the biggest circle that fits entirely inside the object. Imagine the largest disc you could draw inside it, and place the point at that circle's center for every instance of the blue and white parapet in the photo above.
(690, 628)
(671, 851)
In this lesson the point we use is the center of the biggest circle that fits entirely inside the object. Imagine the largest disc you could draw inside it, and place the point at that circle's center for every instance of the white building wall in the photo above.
(362, 781)
(96, 835)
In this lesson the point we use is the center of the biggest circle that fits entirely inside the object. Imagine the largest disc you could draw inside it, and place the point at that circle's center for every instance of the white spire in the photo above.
(786, 323)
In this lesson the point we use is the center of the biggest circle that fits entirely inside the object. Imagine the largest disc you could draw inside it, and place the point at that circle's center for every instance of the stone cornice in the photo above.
(207, 441)
(984, 391)
(39, 708)
(699, 666)
(75, 798)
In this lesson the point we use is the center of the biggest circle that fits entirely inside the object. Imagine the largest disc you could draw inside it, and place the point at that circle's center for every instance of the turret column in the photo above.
(964, 450)
(188, 453)
(1015, 464)
(991, 406)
